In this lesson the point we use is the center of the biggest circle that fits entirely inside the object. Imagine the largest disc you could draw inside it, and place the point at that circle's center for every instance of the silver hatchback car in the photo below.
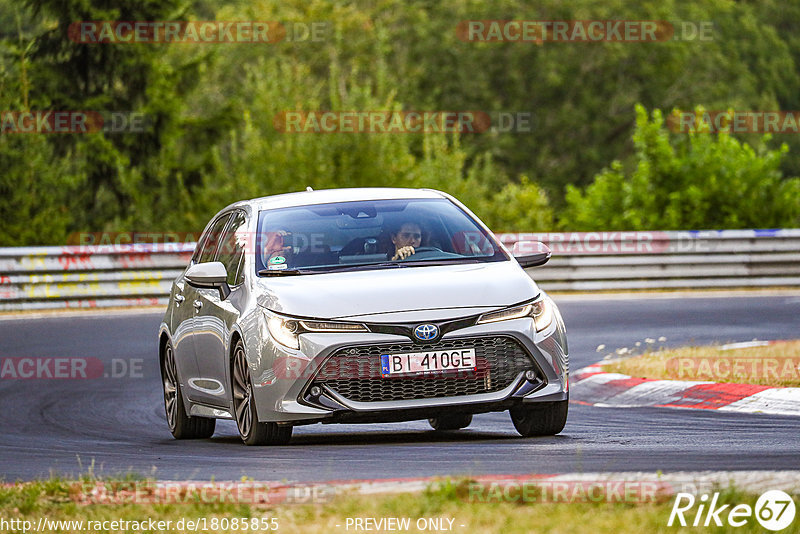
(358, 306)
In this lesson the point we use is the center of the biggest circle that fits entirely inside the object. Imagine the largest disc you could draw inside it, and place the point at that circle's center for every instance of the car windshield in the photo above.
(370, 235)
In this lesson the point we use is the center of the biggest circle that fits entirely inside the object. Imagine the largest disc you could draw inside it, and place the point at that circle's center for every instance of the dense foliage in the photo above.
(591, 159)
(700, 181)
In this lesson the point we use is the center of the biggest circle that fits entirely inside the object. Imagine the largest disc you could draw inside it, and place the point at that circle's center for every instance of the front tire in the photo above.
(451, 422)
(181, 425)
(540, 419)
(251, 430)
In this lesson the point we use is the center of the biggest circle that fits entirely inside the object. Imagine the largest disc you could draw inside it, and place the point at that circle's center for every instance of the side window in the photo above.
(232, 247)
(199, 246)
(209, 242)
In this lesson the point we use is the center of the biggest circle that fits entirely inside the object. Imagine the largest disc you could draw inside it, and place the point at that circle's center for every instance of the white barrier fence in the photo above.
(596, 261)
(141, 274)
(89, 276)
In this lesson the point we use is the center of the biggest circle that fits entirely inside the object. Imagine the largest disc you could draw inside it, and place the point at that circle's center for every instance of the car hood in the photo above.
(479, 287)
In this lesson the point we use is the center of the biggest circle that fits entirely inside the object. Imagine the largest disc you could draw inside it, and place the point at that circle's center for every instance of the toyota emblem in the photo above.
(426, 332)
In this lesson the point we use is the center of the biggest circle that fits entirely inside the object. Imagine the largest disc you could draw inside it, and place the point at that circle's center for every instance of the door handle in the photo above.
(179, 299)
(198, 305)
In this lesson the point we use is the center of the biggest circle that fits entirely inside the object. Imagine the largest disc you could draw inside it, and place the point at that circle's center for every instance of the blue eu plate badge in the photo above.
(384, 364)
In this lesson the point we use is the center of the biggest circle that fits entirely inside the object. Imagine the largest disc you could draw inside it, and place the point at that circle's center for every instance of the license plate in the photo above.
(431, 361)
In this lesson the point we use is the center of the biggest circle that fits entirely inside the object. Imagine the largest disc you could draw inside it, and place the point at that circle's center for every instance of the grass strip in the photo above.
(454, 504)
(776, 365)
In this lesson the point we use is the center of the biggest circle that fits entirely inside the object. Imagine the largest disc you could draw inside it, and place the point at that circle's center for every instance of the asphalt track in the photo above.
(117, 425)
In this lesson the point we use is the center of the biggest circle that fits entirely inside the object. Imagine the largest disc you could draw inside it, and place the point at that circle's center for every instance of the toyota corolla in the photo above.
(359, 306)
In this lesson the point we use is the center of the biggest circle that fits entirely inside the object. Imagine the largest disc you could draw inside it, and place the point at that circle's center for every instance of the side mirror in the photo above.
(531, 253)
(212, 275)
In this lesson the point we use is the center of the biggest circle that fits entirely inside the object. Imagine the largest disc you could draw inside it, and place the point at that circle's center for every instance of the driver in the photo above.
(406, 239)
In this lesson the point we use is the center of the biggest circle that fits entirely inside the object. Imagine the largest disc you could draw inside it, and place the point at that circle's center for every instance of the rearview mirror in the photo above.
(531, 253)
(212, 275)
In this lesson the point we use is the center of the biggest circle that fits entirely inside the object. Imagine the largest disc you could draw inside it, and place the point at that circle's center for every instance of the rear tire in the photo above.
(181, 425)
(451, 422)
(251, 430)
(540, 419)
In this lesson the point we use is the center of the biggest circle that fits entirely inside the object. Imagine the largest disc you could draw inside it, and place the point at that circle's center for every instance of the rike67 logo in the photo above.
(774, 510)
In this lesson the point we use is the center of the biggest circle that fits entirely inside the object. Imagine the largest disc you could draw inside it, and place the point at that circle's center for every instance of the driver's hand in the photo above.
(403, 253)
(275, 242)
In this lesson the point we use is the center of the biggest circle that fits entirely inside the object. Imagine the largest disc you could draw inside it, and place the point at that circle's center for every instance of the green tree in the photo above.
(36, 184)
(125, 173)
(212, 139)
(687, 181)
(257, 159)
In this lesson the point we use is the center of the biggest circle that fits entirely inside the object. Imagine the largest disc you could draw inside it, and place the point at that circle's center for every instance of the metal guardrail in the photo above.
(596, 261)
(89, 276)
(141, 274)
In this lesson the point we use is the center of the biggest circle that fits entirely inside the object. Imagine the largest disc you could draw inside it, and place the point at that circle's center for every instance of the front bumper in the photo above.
(283, 378)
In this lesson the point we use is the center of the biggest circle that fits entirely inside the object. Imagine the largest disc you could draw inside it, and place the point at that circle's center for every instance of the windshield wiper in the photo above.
(345, 267)
(329, 269)
(284, 272)
(441, 261)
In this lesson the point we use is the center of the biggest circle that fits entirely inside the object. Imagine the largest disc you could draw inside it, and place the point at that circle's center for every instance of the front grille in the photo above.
(355, 372)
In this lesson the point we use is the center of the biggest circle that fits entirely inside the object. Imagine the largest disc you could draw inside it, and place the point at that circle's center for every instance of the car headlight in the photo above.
(541, 310)
(285, 330)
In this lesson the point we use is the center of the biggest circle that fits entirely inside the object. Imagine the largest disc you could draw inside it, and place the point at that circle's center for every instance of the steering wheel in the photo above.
(422, 250)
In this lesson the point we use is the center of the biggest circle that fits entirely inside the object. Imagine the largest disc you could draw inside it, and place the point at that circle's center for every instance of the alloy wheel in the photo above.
(170, 387)
(242, 392)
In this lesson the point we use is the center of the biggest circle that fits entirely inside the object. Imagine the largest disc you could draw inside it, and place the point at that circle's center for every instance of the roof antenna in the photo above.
(309, 188)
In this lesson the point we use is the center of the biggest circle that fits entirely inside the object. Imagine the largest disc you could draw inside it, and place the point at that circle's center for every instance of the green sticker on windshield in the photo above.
(277, 260)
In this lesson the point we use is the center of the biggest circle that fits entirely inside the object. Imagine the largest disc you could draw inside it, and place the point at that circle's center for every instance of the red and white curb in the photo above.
(595, 387)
